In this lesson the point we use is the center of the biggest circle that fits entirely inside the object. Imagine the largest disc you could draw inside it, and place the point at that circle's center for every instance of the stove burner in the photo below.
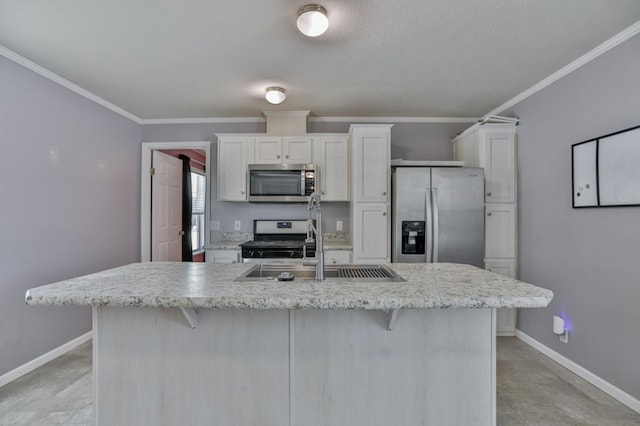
(277, 242)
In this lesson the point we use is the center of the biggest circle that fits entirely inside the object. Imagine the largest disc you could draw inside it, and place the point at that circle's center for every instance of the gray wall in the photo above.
(411, 141)
(588, 257)
(70, 204)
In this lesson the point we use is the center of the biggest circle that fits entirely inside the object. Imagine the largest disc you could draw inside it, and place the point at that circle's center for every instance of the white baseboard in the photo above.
(587, 375)
(43, 359)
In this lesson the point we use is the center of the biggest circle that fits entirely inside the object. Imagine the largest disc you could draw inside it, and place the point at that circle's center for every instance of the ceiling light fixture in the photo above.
(312, 20)
(275, 95)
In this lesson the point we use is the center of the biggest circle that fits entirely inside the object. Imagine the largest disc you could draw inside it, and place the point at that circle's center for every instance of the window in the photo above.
(198, 191)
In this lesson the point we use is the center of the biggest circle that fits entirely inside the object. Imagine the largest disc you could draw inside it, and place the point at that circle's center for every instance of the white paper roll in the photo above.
(558, 325)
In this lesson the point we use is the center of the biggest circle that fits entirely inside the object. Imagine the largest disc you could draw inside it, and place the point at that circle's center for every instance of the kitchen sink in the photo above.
(331, 272)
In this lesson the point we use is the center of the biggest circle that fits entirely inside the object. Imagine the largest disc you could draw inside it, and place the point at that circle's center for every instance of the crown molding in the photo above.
(210, 120)
(584, 59)
(21, 60)
(203, 120)
(393, 119)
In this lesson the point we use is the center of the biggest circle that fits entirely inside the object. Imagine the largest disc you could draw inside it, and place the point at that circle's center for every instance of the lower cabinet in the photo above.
(500, 230)
(222, 256)
(506, 318)
(337, 257)
(371, 238)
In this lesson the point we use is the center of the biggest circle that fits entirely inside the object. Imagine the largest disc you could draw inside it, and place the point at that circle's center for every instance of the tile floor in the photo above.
(532, 390)
(535, 390)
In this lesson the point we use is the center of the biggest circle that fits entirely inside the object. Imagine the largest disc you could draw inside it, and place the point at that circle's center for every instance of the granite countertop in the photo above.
(235, 245)
(208, 285)
(224, 245)
(338, 245)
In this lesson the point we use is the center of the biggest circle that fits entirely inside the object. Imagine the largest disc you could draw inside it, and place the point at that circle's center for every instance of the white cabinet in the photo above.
(500, 230)
(222, 256)
(370, 183)
(499, 165)
(331, 156)
(371, 161)
(283, 149)
(234, 154)
(493, 147)
(371, 233)
(506, 317)
(337, 257)
(329, 151)
(502, 267)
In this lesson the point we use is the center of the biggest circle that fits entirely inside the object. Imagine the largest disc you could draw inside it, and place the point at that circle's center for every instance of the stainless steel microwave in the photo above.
(281, 183)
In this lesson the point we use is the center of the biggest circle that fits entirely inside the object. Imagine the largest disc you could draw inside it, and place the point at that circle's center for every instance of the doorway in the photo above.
(146, 189)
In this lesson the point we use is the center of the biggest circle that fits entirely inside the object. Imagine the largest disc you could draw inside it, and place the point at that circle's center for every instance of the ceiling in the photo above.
(413, 58)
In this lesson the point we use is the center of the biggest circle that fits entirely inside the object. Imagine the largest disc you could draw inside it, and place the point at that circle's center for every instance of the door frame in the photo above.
(145, 189)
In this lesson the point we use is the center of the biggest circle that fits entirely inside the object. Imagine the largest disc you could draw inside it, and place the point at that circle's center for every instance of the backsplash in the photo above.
(336, 237)
(240, 237)
(237, 236)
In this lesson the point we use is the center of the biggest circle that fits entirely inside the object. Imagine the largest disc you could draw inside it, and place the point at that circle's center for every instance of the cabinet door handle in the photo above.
(489, 214)
(242, 192)
(287, 156)
(384, 193)
(384, 213)
(278, 156)
(488, 194)
(322, 192)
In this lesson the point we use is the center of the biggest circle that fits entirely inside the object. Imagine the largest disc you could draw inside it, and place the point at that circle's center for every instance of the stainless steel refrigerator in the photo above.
(438, 215)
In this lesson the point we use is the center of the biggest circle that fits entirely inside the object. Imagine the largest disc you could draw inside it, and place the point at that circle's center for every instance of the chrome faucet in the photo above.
(314, 204)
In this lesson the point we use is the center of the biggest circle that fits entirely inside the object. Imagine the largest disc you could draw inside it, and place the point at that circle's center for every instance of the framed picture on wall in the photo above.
(606, 170)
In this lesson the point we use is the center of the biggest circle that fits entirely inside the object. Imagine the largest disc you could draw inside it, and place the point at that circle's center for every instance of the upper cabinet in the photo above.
(283, 149)
(234, 154)
(371, 163)
(329, 151)
(331, 156)
(492, 147)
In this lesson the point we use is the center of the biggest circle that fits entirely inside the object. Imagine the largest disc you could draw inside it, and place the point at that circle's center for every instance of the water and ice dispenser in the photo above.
(413, 236)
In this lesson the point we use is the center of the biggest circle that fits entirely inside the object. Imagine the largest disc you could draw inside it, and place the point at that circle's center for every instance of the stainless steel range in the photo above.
(277, 241)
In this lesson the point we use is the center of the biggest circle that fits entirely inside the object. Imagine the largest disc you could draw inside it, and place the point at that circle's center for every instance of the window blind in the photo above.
(197, 193)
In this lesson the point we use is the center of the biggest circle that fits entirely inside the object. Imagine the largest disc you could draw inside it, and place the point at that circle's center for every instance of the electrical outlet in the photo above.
(338, 225)
(237, 225)
(215, 225)
(564, 338)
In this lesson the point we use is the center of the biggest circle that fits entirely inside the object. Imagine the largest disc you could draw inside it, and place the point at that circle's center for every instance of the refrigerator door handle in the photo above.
(434, 195)
(428, 229)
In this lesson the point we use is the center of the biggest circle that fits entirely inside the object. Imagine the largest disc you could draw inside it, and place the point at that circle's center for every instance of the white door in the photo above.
(331, 154)
(371, 162)
(268, 150)
(296, 149)
(371, 236)
(166, 208)
(500, 230)
(500, 167)
(234, 153)
(506, 317)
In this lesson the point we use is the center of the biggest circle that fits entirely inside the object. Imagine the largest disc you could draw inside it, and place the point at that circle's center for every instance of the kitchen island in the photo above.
(184, 343)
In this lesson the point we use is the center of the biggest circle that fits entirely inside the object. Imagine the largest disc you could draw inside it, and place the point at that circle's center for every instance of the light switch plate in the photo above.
(338, 225)
(237, 225)
(215, 225)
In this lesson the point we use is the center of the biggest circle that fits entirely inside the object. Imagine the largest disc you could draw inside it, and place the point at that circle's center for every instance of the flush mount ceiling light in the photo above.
(312, 20)
(275, 95)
